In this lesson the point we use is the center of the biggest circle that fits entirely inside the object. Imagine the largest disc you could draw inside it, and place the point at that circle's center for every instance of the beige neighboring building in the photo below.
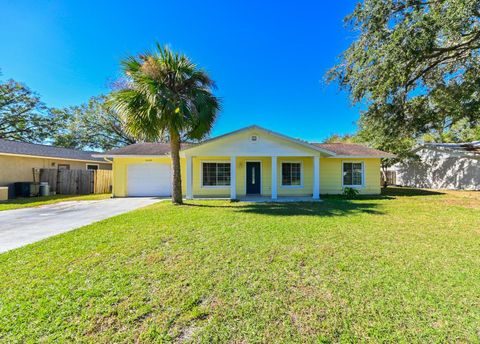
(18, 159)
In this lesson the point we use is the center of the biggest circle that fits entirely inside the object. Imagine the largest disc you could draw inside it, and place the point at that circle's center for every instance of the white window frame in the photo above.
(301, 174)
(64, 166)
(363, 173)
(87, 164)
(213, 162)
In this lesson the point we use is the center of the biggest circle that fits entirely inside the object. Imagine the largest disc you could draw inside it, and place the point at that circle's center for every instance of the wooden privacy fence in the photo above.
(77, 182)
(102, 181)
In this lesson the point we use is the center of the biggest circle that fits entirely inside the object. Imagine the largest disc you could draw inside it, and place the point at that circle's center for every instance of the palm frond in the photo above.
(168, 92)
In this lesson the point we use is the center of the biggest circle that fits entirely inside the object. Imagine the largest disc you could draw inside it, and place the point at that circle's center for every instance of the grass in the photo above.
(29, 202)
(403, 267)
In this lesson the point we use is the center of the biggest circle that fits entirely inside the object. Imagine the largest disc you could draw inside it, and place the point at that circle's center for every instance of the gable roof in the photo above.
(38, 150)
(354, 150)
(332, 149)
(266, 131)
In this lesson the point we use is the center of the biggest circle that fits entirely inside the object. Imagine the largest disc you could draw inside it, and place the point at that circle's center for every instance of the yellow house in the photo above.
(252, 161)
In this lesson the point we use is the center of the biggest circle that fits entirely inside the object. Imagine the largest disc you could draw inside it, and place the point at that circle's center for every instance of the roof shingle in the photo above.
(23, 148)
(144, 148)
(351, 149)
(473, 146)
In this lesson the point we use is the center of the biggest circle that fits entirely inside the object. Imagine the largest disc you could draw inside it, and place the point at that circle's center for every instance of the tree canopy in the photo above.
(23, 116)
(414, 64)
(92, 125)
(339, 138)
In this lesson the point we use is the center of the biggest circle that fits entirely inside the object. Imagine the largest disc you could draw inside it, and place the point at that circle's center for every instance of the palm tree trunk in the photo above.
(177, 178)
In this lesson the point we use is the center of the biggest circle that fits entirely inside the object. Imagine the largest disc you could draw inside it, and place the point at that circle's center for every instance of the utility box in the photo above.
(3, 193)
(26, 189)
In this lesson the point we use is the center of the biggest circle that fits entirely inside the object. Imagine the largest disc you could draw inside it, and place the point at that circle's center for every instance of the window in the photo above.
(215, 174)
(291, 174)
(352, 174)
(92, 167)
(63, 166)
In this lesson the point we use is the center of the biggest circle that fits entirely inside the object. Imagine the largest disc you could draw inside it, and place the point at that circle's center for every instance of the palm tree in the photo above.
(166, 97)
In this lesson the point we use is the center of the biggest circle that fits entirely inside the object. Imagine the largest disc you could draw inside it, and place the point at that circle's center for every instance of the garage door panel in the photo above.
(150, 179)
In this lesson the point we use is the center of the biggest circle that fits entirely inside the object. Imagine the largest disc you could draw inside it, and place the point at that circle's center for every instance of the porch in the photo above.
(253, 178)
(263, 199)
(280, 199)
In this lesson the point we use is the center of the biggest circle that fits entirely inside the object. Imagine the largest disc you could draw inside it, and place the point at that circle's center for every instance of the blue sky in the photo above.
(268, 58)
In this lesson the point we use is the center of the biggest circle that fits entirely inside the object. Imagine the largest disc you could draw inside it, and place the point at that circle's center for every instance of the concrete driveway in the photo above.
(24, 226)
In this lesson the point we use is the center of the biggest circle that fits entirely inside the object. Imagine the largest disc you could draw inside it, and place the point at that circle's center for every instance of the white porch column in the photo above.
(189, 178)
(274, 177)
(316, 177)
(233, 177)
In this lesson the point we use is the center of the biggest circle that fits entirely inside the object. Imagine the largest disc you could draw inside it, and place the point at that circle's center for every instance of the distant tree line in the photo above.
(90, 126)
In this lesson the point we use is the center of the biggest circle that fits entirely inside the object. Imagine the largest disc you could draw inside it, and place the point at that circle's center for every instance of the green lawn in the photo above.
(404, 267)
(17, 203)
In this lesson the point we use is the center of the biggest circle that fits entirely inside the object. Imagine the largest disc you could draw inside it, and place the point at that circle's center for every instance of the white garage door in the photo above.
(150, 179)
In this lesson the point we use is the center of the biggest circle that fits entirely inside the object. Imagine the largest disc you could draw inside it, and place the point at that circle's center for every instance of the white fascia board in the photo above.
(129, 156)
(359, 157)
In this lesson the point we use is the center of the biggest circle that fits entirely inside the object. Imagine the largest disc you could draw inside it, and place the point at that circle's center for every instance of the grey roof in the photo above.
(143, 148)
(473, 146)
(23, 148)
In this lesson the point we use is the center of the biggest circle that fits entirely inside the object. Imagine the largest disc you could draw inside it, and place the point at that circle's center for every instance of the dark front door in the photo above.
(253, 178)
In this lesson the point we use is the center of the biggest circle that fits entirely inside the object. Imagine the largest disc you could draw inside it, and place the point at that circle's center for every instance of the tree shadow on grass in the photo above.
(409, 192)
(33, 200)
(325, 208)
(389, 193)
(334, 207)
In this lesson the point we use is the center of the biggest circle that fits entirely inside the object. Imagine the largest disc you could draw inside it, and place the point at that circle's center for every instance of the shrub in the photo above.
(350, 193)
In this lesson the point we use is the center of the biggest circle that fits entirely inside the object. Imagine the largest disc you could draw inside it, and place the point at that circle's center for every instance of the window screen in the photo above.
(291, 173)
(352, 173)
(216, 174)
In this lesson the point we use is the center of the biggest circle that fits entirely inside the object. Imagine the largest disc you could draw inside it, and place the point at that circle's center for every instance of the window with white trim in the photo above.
(92, 167)
(215, 174)
(352, 174)
(291, 174)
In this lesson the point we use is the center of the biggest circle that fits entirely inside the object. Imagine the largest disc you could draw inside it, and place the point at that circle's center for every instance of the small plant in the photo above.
(350, 193)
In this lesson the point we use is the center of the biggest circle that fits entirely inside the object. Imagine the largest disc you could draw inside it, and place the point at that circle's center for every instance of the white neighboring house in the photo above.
(442, 166)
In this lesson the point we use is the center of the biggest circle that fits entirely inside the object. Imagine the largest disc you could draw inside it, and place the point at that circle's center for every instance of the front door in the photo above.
(253, 178)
